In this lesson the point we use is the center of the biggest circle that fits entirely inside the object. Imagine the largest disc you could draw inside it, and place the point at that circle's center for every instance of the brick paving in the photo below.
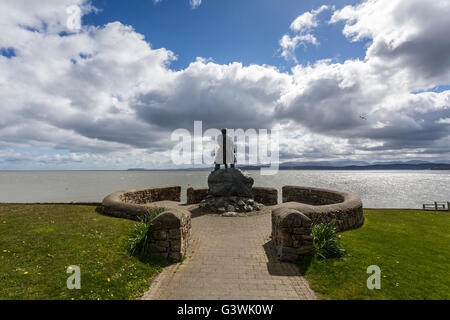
(233, 259)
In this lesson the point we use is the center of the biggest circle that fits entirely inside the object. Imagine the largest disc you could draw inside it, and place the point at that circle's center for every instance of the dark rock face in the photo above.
(230, 182)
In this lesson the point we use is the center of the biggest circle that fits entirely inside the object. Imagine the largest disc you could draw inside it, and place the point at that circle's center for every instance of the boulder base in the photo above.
(229, 204)
(230, 182)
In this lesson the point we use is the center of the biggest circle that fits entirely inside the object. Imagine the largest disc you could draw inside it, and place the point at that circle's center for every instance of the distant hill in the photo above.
(340, 165)
(410, 165)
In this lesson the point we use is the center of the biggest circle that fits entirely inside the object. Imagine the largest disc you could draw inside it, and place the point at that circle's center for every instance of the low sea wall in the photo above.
(343, 209)
(266, 196)
(134, 204)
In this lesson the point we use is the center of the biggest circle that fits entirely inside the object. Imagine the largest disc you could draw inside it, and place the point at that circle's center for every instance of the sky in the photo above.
(346, 81)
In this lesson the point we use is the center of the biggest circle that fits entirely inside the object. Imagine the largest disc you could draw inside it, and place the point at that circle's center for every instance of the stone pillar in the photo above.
(291, 234)
(171, 232)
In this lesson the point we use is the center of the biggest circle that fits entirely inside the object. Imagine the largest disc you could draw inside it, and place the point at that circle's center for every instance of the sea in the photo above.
(377, 189)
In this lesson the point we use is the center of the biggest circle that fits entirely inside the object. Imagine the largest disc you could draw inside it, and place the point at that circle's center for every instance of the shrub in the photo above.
(139, 242)
(326, 241)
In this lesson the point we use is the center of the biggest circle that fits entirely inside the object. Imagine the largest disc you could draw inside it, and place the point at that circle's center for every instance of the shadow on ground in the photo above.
(279, 268)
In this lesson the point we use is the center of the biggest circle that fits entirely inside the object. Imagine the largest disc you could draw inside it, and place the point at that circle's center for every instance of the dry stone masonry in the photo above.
(312, 196)
(148, 195)
(263, 195)
(134, 204)
(343, 209)
(266, 196)
(171, 231)
(291, 234)
(196, 194)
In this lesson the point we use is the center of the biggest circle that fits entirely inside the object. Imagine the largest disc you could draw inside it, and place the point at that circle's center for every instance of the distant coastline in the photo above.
(294, 166)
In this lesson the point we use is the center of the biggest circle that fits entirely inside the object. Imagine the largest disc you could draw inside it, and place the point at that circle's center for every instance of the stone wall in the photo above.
(171, 233)
(291, 234)
(196, 194)
(312, 196)
(343, 209)
(134, 204)
(148, 195)
(266, 196)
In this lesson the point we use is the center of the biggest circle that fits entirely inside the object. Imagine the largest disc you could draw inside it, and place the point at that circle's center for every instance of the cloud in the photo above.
(307, 20)
(442, 120)
(193, 3)
(105, 96)
(301, 27)
(408, 37)
(288, 45)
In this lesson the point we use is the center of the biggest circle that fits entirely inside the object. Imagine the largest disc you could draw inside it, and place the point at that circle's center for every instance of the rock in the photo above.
(230, 182)
(159, 235)
(230, 204)
(229, 214)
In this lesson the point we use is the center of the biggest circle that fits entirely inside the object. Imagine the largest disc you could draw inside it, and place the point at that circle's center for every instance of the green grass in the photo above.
(410, 246)
(39, 242)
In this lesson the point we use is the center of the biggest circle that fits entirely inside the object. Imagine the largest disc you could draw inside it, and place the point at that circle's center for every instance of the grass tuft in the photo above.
(139, 242)
(326, 241)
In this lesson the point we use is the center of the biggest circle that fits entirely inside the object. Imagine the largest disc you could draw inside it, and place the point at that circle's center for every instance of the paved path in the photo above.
(230, 258)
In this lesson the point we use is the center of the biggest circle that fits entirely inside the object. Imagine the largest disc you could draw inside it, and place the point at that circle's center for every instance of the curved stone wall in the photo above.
(342, 209)
(133, 204)
(266, 196)
(171, 229)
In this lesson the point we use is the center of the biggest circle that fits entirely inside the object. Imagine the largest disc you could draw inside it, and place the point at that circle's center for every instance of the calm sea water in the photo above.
(377, 189)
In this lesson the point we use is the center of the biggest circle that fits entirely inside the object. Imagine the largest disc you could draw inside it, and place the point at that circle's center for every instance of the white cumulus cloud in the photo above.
(301, 29)
(104, 95)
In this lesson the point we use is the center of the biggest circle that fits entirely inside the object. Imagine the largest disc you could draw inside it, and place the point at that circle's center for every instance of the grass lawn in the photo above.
(39, 242)
(410, 246)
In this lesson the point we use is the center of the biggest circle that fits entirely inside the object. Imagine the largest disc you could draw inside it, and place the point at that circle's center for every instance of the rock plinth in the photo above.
(230, 183)
(229, 204)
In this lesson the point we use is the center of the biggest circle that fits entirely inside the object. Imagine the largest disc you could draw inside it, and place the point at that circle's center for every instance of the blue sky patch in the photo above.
(8, 52)
(229, 31)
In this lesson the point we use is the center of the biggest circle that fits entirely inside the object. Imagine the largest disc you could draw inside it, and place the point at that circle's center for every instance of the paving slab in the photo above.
(230, 258)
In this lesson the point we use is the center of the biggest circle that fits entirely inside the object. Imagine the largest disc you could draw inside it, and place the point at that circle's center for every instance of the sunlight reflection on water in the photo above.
(377, 189)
